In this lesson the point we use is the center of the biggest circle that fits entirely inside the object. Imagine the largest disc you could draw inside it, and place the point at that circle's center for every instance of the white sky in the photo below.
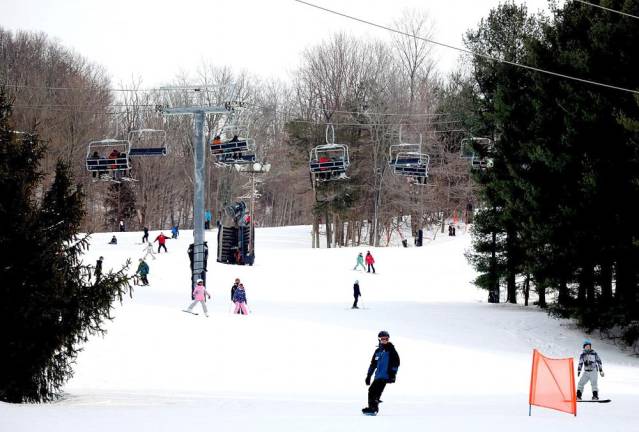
(156, 40)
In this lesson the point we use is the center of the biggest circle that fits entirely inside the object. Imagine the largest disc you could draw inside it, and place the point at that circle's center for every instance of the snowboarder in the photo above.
(591, 363)
(145, 237)
(113, 240)
(360, 261)
(98, 269)
(384, 365)
(356, 293)
(370, 261)
(199, 291)
(239, 298)
(175, 231)
(161, 239)
(143, 271)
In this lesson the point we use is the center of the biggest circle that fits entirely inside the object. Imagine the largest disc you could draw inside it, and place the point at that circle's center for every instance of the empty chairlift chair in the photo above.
(148, 142)
(108, 159)
(408, 160)
(476, 151)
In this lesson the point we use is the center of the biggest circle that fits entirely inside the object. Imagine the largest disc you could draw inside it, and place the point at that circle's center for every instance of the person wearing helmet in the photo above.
(356, 293)
(198, 297)
(384, 365)
(590, 361)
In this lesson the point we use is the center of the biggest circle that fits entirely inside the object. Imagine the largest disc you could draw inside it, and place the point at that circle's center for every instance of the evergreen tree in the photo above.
(48, 306)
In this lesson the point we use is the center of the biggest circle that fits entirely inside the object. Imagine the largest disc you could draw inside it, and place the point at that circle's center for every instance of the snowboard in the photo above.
(595, 401)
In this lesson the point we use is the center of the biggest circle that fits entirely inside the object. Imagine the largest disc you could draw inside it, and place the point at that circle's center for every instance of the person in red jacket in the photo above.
(370, 261)
(161, 239)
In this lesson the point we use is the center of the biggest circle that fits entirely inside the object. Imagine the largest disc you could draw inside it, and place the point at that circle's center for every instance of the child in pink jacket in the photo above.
(198, 296)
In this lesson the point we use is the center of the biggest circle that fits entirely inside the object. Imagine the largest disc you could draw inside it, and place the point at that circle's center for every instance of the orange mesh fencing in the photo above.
(552, 384)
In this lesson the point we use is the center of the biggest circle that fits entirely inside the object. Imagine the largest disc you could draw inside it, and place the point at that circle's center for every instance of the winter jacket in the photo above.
(356, 291)
(143, 269)
(385, 363)
(360, 259)
(199, 292)
(590, 360)
(233, 289)
(161, 239)
(370, 259)
(239, 295)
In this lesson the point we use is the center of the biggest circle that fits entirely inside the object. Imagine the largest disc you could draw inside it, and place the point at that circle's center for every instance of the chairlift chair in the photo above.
(102, 158)
(477, 160)
(232, 144)
(329, 161)
(407, 159)
(148, 142)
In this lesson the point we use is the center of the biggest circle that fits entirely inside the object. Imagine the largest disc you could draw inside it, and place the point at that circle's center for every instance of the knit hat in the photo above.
(587, 342)
(383, 333)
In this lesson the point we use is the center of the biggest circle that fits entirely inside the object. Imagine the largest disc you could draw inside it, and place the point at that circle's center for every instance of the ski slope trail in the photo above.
(298, 361)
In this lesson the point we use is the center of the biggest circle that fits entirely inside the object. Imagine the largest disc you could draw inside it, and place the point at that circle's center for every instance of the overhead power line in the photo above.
(608, 9)
(467, 51)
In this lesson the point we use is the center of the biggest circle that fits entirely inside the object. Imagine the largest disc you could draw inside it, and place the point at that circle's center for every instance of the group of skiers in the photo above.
(238, 297)
(370, 261)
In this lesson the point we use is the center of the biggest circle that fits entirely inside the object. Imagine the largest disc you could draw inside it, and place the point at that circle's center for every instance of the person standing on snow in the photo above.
(591, 363)
(122, 228)
(360, 262)
(145, 237)
(239, 298)
(370, 261)
(356, 293)
(143, 271)
(384, 365)
(161, 239)
(199, 291)
(175, 231)
(98, 269)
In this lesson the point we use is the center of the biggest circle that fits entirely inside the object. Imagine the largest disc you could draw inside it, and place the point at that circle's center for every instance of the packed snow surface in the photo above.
(298, 361)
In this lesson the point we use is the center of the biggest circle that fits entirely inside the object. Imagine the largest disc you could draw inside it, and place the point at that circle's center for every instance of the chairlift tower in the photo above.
(199, 189)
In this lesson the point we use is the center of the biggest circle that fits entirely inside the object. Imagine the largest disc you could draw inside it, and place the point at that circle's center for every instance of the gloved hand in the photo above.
(209, 297)
(368, 380)
(601, 373)
(578, 372)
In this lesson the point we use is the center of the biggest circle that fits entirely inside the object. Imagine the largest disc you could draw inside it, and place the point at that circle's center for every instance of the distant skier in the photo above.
(239, 298)
(161, 239)
(98, 269)
(384, 365)
(360, 262)
(143, 271)
(145, 237)
(370, 261)
(356, 293)
(175, 231)
(122, 228)
(233, 290)
(450, 230)
(591, 363)
(113, 240)
(199, 291)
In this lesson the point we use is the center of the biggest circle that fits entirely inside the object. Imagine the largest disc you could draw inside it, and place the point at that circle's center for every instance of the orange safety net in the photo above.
(552, 384)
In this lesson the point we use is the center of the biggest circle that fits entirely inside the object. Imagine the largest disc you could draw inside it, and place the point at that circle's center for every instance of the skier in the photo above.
(145, 237)
(161, 239)
(175, 231)
(356, 293)
(199, 291)
(143, 271)
(591, 363)
(239, 298)
(384, 364)
(148, 250)
(360, 261)
(98, 269)
(113, 240)
(450, 230)
(370, 261)
(122, 226)
(233, 289)
(207, 219)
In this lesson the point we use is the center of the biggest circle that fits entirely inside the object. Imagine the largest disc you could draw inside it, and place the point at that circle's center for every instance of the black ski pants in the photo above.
(371, 266)
(145, 238)
(162, 246)
(355, 302)
(375, 392)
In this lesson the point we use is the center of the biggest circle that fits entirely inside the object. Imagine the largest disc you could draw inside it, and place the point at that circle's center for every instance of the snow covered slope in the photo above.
(298, 361)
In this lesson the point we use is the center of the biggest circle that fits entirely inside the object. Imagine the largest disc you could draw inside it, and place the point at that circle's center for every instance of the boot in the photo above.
(595, 395)
(578, 394)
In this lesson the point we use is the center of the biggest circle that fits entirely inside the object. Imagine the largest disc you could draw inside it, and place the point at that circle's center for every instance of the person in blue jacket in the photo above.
(384, 365)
